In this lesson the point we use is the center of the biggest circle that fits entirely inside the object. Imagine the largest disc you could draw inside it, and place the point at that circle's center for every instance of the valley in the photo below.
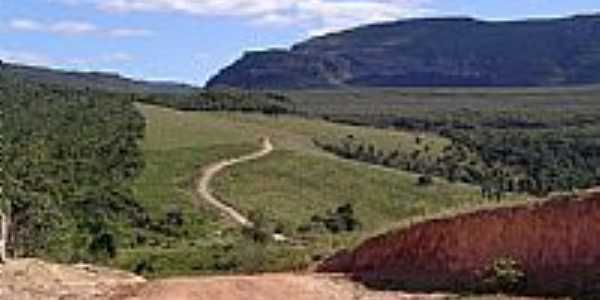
(277, 173)
(284, 190)
(428, 158)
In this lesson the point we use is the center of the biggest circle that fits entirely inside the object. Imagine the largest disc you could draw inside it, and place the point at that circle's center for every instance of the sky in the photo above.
(190, 40)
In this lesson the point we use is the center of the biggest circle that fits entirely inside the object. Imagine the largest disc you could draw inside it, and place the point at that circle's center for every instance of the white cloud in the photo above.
(129, 32)
(75, 28)
(319, 15)
(25, 25)
(334, 16)
(38, 59)
(72, 28)
(62, 27)
(199, 7)
(275, 19)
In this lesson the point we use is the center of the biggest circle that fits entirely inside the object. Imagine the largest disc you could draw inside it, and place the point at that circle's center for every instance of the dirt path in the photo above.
(211, 171)
(267, 287)
(33, 279)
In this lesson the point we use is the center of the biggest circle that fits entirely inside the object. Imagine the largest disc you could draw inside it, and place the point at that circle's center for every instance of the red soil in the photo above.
(557, 245)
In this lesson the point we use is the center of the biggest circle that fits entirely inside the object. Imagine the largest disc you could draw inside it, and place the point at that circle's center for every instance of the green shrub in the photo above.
(425, 180)
(340, 220)
(251, 258)
(504, 275)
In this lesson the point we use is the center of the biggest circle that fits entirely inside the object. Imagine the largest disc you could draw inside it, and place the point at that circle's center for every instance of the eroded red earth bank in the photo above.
(556, 244)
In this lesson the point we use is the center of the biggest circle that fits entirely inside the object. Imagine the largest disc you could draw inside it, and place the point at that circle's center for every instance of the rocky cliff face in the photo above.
(430, 52)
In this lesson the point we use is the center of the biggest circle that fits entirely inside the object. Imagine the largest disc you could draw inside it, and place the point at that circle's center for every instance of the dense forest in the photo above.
(223, 100)
(68, 158)
(498, 161)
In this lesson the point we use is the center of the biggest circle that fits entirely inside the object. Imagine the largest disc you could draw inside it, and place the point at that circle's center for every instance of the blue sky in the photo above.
(190, 40)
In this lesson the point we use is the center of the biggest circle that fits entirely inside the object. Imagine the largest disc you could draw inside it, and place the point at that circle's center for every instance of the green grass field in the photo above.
(287, 187)
(293, 186)
(178, 144)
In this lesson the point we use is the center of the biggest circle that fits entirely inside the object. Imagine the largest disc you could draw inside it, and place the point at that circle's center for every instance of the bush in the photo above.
(252, 257)
(342, 219)
(425, 180)
(260, 231)
(504, 275)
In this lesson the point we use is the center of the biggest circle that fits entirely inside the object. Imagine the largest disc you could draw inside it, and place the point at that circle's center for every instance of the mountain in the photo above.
(430, 52)
(93, 80)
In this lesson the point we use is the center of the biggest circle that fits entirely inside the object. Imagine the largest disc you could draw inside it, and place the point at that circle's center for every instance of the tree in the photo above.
(425, 180)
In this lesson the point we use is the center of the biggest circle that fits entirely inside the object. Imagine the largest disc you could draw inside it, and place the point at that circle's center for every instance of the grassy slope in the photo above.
(290, 186)
(177, 144)
(293, 186)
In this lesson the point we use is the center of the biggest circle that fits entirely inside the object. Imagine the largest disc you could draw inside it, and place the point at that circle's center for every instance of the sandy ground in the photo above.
(37, 280)
(266, 287)
(31, 279)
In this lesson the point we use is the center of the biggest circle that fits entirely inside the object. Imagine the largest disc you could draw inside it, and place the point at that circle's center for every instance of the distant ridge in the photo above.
(95, 80)
(430, 52)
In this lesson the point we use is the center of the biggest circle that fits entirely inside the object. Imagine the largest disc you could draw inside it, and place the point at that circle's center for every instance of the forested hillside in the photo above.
(91, 80)
(68, 158)
(430, 52)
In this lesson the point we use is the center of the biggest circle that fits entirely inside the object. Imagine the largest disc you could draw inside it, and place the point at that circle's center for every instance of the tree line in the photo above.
(500, 161)
(223, 100)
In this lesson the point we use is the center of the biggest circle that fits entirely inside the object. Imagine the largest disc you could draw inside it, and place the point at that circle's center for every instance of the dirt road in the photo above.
(216, 168)
(32, 279)
(267, 287)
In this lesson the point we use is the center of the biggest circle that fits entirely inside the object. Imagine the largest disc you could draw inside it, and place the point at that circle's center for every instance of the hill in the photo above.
(92, 80)
(430, 52)
(539, 249)
(282, 191)
(68, 158)
(154, 224)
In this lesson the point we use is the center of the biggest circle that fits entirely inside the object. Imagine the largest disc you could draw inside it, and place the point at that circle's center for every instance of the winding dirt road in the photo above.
(211, 171)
